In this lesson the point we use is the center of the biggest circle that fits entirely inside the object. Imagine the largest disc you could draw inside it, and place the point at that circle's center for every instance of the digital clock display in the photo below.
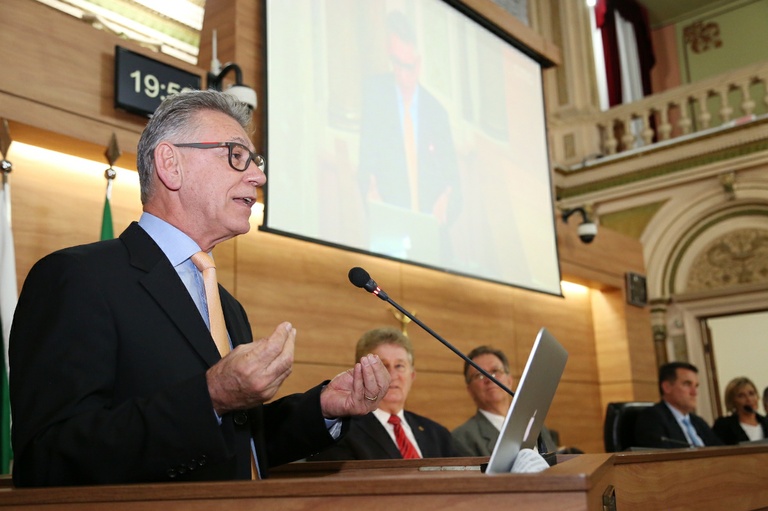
(142, 83)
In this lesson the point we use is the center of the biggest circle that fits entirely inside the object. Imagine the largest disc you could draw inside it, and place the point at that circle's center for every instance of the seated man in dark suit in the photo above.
(374, 436)
(671, 423)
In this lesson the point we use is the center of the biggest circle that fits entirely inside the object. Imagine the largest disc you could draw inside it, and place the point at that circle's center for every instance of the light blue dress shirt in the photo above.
(684, 421)
(178, 248)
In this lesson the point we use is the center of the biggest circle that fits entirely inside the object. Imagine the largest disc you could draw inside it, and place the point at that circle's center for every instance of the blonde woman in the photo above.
(744, 423)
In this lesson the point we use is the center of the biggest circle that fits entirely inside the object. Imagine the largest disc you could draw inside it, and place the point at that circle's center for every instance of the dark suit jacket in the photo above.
(108, 355)
(369, 440)
(382, 150)
(729, 430)
(477, 437)
(657, 422)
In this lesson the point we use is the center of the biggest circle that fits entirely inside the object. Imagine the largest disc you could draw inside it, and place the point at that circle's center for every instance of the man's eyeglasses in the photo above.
(480, 376)
(239, 155)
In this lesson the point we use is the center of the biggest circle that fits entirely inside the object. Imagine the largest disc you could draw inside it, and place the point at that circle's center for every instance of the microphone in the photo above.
(668, 440)
(360, 278)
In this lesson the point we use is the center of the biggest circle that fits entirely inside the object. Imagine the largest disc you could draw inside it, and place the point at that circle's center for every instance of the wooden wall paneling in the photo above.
(624, 348)
(465, 312)
(225, 255)
(250, 39)
(285, 279)
(646, 390)
(55, 207)
(240, 39)
(575, 411)
(65, 132)
(612, 344)
(569, 320)
(44, 76)
(69, 91)
(644, 365)
(238, 24)
(610, 334)
(44, 222)
(576, 414)
(222, 16)
(442, 397)
(601, 263)
(631, 390)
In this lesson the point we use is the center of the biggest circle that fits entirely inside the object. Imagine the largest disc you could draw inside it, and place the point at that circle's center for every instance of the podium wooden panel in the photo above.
(574, 484)
(712, 478)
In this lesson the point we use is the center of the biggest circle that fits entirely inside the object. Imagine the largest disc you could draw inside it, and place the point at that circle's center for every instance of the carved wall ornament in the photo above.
(739, 257)
(702, 36)
(728, 181)
(403, 319)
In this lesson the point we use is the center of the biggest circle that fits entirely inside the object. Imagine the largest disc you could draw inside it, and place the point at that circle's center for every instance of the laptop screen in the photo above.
(531, 402)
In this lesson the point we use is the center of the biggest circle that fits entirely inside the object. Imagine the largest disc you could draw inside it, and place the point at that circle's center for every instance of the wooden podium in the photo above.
(710, 478)
(733, 478)
(573, 484)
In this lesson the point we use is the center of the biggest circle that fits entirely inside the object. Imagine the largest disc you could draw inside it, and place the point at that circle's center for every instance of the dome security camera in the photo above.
(239, 90)
(243, 93)
(587, 231)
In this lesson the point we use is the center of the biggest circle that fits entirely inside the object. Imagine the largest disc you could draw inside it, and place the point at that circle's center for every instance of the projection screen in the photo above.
(409, 130)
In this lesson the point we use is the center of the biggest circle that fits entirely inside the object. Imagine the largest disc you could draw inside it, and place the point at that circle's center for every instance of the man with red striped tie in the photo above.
(391, 432)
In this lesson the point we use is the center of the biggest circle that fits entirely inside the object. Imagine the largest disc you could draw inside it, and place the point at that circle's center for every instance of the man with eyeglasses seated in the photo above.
(130, 364)
(478, 435)
(391, 432)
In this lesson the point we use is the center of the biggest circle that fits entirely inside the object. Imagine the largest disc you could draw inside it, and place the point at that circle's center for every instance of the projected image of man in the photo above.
(407, 155)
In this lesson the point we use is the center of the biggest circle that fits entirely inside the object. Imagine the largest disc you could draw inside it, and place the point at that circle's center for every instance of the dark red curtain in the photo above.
(605, 19)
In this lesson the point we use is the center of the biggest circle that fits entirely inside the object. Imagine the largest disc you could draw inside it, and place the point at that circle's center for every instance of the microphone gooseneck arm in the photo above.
(360, 278)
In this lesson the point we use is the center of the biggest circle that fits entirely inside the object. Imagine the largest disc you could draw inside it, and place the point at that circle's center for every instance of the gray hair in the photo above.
(485, 350)
(175, 119)
(372, 339)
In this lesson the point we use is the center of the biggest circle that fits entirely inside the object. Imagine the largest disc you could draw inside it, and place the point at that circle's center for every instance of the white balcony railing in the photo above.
(683, 112)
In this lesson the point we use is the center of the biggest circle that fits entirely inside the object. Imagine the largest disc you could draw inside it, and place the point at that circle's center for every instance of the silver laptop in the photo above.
(531, 402)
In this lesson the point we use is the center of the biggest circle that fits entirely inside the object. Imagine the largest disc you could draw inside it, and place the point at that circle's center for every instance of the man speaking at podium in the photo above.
(130, 364)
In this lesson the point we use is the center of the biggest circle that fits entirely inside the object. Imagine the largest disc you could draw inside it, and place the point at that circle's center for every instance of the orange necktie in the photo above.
(207, 267)
(407, 450)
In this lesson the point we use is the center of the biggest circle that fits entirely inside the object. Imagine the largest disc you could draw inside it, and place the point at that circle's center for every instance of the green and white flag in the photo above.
(8, 299)
(106, 218)
(112, 153)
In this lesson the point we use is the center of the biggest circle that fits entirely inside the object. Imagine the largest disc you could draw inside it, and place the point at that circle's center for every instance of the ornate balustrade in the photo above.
(677, 114)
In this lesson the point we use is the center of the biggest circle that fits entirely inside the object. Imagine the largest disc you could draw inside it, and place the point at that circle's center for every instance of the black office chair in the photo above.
(619, 428)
